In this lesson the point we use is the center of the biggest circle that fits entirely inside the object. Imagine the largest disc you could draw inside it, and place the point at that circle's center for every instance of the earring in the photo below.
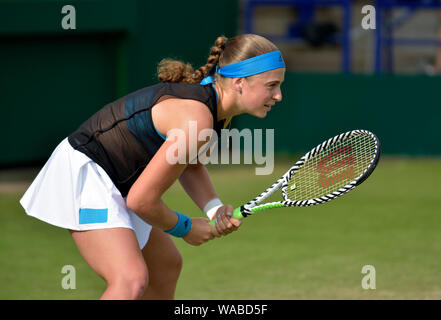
(239, 90)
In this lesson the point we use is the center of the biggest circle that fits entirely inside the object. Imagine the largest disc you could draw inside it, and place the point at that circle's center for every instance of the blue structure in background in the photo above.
(385, 25)
(306, 10)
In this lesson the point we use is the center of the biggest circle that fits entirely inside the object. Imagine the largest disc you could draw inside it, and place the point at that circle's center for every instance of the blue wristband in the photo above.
(182, 227)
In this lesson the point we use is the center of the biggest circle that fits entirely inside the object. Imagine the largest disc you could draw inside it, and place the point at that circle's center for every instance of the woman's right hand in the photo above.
(200, 232)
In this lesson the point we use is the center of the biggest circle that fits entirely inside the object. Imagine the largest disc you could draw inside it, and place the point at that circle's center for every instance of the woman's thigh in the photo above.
(112, 253)
(164, 263)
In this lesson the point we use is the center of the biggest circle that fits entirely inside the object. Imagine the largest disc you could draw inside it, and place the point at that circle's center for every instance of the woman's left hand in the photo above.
(225, 223)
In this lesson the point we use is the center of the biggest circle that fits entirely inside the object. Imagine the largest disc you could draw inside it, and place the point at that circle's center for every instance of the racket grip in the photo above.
(236, 215)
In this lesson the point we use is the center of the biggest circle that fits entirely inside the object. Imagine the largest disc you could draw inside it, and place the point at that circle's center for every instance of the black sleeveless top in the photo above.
(121, 137)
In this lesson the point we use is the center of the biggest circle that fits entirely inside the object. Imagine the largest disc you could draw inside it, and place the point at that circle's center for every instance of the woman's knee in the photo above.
(132, 281)
(173, 264)
(176, 261)
(162, 257)
(166, 270)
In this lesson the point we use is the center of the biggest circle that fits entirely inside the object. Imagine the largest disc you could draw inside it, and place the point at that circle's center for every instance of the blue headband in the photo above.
(245, 68)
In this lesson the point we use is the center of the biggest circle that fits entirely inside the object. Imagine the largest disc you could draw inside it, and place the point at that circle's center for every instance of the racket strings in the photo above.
(332, 168)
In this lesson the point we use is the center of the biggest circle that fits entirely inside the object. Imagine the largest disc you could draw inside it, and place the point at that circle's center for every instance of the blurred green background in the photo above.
(51, 80)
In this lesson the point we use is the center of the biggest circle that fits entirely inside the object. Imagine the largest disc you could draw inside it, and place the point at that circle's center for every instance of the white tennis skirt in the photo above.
(73, 192)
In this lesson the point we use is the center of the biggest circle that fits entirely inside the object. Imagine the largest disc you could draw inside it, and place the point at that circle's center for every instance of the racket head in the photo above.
(331, 169)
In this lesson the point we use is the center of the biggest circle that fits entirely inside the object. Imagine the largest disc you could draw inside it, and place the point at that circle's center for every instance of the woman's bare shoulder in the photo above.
(178, 113)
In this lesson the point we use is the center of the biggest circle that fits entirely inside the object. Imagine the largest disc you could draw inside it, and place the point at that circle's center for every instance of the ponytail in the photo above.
(170, 70)
(239, 48)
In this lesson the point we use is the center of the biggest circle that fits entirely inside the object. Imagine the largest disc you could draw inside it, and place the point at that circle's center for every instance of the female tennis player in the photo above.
(104, 182)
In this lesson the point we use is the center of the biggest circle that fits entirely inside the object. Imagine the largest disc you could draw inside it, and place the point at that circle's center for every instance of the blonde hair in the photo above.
(224, 52)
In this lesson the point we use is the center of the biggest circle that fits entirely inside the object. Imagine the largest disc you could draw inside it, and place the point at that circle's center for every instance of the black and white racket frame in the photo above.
(284, 180)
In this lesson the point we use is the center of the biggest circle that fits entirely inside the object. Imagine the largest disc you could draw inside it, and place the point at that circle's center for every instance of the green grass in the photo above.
(391, 222)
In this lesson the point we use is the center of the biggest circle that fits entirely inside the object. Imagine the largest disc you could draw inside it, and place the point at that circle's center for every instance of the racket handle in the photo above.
(236, 215)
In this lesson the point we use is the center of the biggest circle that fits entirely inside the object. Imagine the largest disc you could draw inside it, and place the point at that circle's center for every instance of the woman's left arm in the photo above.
(196, 182)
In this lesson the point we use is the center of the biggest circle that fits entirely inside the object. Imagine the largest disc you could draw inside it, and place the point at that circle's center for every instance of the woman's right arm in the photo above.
(144, 197)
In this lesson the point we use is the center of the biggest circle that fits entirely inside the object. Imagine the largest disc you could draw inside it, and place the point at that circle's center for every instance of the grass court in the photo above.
(391, 222)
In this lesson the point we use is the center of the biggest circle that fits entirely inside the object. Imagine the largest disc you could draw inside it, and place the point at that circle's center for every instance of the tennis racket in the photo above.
(325, 173)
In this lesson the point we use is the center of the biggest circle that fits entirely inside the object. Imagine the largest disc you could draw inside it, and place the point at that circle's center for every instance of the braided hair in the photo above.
(170, 70)
(224, 52)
